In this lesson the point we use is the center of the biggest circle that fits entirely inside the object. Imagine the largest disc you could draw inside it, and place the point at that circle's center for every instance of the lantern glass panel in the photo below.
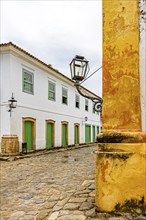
(12, 102)
(79, 67)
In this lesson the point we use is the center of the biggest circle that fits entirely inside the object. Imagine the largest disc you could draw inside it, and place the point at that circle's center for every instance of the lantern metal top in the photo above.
(79, 68)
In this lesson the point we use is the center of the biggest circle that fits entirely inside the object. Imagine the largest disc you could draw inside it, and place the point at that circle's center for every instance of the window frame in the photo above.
(63, 88)
(76, 95)
(27, 82)
(86, 105)
(93, 110)
(54, 84)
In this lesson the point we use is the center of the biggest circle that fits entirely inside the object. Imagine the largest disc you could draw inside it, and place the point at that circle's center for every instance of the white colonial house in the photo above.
(50, 112)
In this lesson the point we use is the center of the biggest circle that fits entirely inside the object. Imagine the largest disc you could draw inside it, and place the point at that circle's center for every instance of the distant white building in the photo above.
(49, 112)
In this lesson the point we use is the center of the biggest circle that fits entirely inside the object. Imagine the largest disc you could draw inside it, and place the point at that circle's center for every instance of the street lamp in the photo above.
(12, 103)
(86, 118)
(79, 68)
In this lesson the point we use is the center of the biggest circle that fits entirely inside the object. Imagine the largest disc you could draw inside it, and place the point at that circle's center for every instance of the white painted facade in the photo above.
(37, 106)
(143, 61)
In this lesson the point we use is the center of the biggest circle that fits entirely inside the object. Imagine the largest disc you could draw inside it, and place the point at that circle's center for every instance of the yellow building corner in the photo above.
(121, 155)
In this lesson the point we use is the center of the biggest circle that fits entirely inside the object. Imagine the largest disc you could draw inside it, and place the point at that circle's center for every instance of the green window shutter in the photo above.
(52, 91)
(64, 96)
(86, 105)
(28, 87)
(27, 77)
(28, 83)
(77, 101)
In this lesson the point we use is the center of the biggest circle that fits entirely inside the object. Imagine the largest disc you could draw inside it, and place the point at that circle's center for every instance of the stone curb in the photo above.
(44, 151)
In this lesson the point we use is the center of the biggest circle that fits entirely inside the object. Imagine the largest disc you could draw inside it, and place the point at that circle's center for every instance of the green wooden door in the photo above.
(50, 135)
(97, 129)
(64, 134)
(87, 133)
(93, 133)
(28, 134)
(76, 134)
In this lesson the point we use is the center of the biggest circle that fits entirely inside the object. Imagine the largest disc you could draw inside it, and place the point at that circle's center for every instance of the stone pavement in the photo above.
(54, 186)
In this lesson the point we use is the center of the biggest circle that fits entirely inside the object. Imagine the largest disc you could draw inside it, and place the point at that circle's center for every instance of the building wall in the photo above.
(5, 73)
(38, 106)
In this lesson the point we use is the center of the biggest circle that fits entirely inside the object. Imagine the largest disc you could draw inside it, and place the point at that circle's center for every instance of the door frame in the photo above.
(33, 120)
(53, 133)
(93, 133)
(98, 129)
(78, 125)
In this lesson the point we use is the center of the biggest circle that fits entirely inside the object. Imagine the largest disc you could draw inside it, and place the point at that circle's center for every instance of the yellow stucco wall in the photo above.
(121, 181)
(121, 155)
(121, 85)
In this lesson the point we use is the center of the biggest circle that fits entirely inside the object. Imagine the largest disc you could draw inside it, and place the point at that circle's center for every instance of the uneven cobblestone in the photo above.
(55, 186)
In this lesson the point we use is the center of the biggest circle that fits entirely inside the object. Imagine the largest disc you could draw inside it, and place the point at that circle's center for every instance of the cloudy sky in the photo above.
(56, 31)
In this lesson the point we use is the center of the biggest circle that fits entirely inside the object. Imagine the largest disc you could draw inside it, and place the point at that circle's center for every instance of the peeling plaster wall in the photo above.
(121, 156)
(120, 182)
(121, 83)
(142, 61)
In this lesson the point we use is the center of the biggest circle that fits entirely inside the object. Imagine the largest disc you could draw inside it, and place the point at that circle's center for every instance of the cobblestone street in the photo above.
(52, 186)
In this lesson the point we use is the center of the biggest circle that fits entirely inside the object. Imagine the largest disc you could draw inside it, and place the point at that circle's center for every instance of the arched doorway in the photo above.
(29, 132)
(76, 133)
(64, 133)
(50, 133)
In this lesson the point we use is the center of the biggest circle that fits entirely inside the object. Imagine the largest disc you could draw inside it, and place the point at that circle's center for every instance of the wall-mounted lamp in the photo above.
(79, 68)
(86, 118)
(12, 103)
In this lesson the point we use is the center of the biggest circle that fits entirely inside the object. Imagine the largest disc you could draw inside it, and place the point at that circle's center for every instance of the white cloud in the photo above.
(55, 31)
